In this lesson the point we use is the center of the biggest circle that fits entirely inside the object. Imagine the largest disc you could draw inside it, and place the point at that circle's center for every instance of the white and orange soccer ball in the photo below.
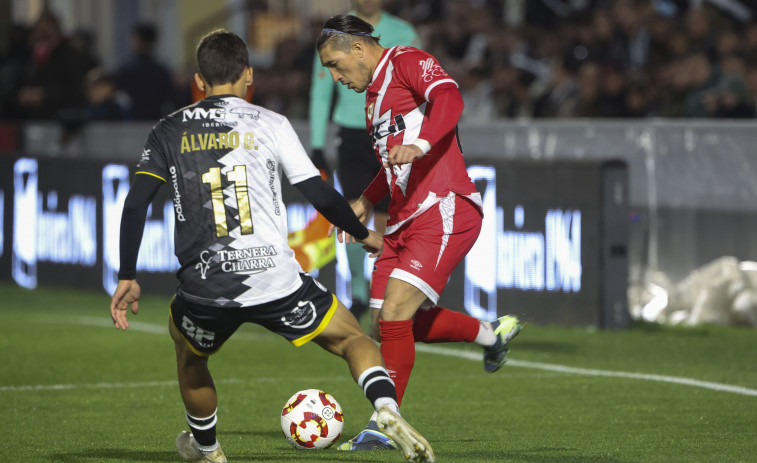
(312, 419)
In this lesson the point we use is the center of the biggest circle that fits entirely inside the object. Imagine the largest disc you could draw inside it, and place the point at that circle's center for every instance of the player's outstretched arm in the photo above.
(362, 208)
(333, 206)
(127, 294)
(137, 202)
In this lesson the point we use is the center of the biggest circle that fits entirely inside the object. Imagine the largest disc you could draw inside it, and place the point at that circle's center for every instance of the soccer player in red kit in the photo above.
(435, 213)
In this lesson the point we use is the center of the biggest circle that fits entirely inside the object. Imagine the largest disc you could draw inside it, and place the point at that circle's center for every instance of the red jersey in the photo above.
(399, 99)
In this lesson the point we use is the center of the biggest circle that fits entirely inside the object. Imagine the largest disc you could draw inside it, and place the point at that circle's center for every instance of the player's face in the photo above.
(346, 68)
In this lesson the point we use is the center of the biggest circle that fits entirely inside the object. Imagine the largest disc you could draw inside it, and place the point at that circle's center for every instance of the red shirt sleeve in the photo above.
(422, 73)
(378, 188)
(445, 106)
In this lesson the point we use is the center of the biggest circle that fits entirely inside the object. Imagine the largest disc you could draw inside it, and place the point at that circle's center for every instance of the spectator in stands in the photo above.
(636, 103)
(632, 37)
(561, 95)
(706, 84)
(612, 93)
(147, 82)
(699, 28)
(750, 42)
(476, 90)
(14, 62)
(510, 97)
(486, 41)
(589, 78)
(751, 85)
(730, 95)
(83, 41)
(674, 79)
(53, 83)
(105, 102)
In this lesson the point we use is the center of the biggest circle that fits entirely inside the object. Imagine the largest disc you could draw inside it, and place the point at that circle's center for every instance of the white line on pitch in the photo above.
(591, 372)
(137, 384)
(464, 354)
(152, 328)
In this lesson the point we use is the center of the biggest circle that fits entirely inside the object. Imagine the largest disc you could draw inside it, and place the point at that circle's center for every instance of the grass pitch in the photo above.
(74, 389)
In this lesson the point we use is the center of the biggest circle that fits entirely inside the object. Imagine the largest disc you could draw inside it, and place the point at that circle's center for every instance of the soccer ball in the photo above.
(312, 419)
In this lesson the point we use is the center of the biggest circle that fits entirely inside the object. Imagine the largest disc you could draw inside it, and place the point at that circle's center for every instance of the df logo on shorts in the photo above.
(301, 316)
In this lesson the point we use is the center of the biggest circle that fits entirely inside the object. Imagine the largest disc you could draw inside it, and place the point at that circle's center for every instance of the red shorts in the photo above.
(425, 251)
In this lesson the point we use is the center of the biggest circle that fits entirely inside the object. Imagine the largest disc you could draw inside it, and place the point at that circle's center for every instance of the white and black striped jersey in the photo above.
(222, 159)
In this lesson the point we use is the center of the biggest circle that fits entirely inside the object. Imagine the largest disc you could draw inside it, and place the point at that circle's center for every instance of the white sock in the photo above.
(485, 336)
(389, 402)
(206, 449)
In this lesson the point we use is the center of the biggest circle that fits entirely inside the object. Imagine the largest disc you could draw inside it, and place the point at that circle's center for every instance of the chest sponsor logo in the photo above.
(385, 128)
(202, 113)
(219, 114)
(247, 261)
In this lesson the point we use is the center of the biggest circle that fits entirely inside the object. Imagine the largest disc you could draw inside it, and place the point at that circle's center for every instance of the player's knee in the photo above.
(392, 310)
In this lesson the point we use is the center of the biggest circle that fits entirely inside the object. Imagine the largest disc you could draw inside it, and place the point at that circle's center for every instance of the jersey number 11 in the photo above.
(238, 177)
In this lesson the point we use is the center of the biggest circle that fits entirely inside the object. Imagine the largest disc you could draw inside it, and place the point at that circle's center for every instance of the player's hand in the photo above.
(374, 243)
(402, 154)
(127, 293)
(362, 208)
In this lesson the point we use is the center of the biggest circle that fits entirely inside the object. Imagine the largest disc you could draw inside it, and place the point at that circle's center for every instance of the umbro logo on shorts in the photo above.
(415, 264)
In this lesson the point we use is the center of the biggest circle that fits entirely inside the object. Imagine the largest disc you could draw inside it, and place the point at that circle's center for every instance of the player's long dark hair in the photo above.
(222, 56)
(340, 31)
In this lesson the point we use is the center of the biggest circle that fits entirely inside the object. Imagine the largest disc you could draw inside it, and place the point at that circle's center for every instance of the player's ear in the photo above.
(200, 83)
(358, 47)
(248, 76)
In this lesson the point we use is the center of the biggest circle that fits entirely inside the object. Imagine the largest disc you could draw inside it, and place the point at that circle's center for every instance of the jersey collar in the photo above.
(382, 64)
(218, 97)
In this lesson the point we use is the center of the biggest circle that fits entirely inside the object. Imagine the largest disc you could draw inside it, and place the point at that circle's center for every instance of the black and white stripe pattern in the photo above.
(204, 430)
(377, 384)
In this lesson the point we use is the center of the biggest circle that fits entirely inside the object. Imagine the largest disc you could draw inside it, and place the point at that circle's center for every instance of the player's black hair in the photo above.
(342, 30)
(222, 56)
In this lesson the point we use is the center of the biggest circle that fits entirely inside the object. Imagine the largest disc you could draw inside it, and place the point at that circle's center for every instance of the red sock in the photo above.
(438, 324)
(398, 350)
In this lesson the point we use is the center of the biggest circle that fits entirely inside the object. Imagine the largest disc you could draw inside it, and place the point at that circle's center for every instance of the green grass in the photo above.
(117, 399)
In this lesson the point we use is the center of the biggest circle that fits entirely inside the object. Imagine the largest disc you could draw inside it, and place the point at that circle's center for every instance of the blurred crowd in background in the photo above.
(557, 59)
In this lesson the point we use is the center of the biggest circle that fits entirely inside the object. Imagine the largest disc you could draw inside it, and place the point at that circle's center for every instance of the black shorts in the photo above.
(357, 165)
(299, 317)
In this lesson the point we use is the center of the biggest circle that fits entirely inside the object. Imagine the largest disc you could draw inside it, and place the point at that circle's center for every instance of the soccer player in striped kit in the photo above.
(412, 107)
(222, 159)
(356, 162)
